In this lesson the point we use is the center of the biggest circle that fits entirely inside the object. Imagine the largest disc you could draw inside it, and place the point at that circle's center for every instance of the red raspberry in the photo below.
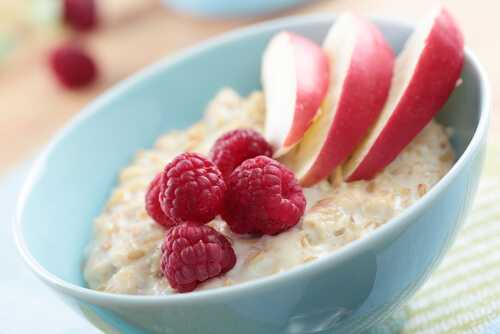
(192, 189)
(80, 14)
(236, 146)
(193, 253)
(73, 66)
(263, 197)
(153, 207)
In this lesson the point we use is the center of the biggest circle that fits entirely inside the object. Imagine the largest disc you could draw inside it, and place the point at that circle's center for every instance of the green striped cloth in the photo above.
(463, 294)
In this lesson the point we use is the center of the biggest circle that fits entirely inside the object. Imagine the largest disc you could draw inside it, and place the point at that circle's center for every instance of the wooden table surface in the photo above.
(135, 33)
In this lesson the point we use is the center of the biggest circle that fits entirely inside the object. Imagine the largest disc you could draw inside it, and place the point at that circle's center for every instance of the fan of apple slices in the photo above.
(372, 106)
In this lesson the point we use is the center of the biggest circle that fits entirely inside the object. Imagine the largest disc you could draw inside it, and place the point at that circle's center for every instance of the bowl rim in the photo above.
(344, 253)
(224, 9)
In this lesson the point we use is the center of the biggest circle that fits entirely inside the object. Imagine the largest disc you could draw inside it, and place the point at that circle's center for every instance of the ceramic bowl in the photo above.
(231, 8)
(347, 291)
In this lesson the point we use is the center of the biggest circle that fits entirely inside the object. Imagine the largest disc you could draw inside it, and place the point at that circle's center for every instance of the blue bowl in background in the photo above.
(347, 291)
(232, 8)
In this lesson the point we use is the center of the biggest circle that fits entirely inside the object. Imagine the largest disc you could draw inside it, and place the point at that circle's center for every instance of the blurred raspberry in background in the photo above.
(80, 14)
(73, 66)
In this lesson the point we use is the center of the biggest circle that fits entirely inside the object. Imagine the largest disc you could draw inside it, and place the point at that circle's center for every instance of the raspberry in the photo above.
(73, 66)
(263, 197)
(193, 253)
(236, 146)
(80, 14)
(192, 189)
(152, 200)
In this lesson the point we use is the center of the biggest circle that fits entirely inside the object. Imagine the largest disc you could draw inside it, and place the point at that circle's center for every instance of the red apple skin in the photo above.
(364, 93)
(434, 79)
(313, 74)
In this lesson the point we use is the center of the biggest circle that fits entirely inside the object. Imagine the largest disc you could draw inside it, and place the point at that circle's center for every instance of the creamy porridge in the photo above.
(125, 253)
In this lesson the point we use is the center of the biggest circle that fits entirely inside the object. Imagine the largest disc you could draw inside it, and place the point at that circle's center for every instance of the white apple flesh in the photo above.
(361, 67)
(295, 75)
(426, 73)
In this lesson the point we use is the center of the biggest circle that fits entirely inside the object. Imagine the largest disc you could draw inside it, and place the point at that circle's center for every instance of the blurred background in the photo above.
(130, 34)
(115, 38)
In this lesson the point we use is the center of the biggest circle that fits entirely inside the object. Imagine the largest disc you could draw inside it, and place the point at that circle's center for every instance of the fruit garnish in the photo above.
(153, 207)
(236, 146)
(193, 253)
(426, 73)
(295, 74)
(361, 70)
(192, 189)
(262, 197)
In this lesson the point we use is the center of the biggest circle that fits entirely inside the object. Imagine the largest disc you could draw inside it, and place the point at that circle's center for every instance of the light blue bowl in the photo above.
(232, 8)
(350, 290)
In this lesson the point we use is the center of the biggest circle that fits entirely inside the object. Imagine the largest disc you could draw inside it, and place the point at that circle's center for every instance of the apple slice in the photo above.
(361, 65)
(295, 80)
(426, 73)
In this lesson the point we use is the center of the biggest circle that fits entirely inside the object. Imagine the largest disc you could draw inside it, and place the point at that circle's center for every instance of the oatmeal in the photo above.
(124, 255)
